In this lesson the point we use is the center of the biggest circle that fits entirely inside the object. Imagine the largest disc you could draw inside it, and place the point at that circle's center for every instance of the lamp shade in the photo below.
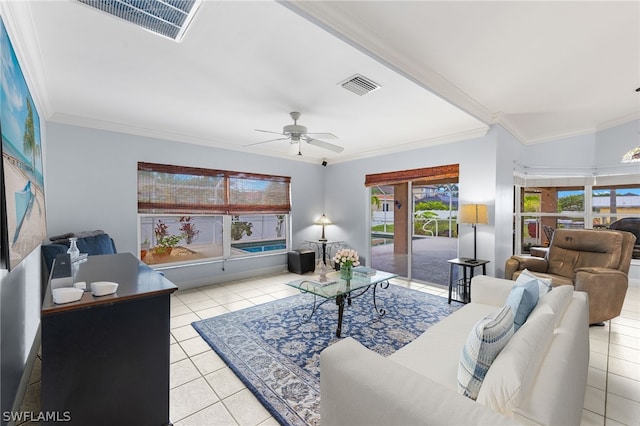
(323, 220)
(473, 213)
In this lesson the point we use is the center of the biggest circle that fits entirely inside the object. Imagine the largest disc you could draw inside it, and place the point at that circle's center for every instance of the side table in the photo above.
(463, 285)
(324, 248)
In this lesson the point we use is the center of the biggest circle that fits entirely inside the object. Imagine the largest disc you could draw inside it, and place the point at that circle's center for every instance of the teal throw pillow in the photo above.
(544, 284)
(484, 343)
(522, 299)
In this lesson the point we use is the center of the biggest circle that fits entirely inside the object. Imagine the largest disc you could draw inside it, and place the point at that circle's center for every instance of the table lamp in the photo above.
(473, 214)
(324, 221)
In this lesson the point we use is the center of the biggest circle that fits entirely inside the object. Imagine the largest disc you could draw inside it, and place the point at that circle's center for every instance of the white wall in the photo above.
(567, 154)
(507, 152)
(91, 183)
(613, 143)
(20, 305)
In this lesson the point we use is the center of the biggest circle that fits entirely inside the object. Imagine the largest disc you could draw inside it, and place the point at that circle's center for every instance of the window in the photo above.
(258, 233)
(612, 203)
(189, 214)
(542, 209)
(175, 238)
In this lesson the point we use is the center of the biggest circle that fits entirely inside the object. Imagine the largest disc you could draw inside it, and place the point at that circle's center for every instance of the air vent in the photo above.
(360, 85)
(169, 18)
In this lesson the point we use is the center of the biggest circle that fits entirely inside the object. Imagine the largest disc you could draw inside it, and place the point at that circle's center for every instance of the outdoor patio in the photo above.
(429, 263)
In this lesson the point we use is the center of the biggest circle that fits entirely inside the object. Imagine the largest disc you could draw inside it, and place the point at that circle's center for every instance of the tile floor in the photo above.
(205, 392)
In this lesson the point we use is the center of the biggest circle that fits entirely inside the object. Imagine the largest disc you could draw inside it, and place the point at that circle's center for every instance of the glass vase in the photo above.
(346, 272)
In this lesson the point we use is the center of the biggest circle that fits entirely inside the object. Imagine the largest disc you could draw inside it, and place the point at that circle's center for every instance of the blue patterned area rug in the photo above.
(276, 354)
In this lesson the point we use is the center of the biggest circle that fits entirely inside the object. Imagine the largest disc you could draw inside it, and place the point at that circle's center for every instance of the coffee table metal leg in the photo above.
(340, 303)
(380, 311)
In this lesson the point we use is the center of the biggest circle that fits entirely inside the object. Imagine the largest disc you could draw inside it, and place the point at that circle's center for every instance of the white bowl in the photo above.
(66, 295)
(102, 288)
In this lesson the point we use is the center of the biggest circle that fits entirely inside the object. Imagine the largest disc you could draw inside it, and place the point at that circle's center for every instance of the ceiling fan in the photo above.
(296, 133)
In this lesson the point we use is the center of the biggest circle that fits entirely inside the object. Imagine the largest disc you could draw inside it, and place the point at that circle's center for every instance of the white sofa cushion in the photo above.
(562, 375)
(489, 290)
(435, 353)
(557, 299)
(485, 341)
(514, 370)
(360, 387)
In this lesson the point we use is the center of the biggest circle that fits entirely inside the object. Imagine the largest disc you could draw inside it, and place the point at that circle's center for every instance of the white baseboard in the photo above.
(223, 278)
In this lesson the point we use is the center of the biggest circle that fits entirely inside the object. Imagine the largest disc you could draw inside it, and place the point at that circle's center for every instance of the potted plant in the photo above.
(166, 243)
(240, 228)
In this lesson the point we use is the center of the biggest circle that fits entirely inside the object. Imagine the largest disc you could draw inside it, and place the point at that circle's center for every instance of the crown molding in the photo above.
(618, 121)
(411, 146)
(582, 132)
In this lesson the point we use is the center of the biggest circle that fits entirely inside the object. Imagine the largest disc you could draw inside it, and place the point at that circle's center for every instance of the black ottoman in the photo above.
(301, 261)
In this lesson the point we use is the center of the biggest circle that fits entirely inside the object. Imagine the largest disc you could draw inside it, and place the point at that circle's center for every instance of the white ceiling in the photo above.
(447, 69)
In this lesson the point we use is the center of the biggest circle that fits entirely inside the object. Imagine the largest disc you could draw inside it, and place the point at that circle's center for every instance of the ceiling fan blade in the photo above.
(267, 131)
(323, 144)
(324, 135)
(270, 140)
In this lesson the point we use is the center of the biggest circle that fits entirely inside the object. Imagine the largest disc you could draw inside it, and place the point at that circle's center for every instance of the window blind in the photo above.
(186, 190)
(258, 194)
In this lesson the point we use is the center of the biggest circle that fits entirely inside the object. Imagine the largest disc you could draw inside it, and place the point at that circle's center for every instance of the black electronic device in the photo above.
(62, 266)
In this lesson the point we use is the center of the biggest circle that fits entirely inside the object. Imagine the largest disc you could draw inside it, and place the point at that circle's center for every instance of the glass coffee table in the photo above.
(340, 290)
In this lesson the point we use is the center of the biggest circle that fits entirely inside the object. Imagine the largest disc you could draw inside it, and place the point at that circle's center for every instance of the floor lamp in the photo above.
(474, 214)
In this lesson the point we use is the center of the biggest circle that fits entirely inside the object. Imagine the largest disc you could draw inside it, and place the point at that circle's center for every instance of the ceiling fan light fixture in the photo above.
(296, 134)
(294, 149)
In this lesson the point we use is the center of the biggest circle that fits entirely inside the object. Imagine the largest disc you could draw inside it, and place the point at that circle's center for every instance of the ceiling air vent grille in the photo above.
(360, 85)
(168, 18)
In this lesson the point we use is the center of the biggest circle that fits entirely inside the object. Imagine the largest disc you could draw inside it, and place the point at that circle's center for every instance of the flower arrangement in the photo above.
(347, 257)
(188, 229)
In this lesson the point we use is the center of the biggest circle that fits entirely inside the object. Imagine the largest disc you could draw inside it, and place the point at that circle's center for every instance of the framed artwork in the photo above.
(22, 193)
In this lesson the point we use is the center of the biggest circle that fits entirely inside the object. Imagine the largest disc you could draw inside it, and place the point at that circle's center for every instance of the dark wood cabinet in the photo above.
(105, 360)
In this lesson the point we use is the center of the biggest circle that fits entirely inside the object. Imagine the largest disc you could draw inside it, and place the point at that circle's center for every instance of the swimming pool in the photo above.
(261, 246)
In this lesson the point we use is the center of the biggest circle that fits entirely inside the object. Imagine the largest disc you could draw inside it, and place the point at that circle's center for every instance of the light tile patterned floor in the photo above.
(614, 373)
(205, 392)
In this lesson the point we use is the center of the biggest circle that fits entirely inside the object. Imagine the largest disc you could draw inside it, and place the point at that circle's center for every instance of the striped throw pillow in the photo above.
(484, 343)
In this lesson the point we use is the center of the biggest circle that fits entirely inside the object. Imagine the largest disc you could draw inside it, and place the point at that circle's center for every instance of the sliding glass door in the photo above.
(386, 255)
(434, 237)
(414, 223)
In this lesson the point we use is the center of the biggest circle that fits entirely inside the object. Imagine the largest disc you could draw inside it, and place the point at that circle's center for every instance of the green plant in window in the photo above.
(166, 243)
(573, 202)
(431, 205)
(240, 228)
(531, 203)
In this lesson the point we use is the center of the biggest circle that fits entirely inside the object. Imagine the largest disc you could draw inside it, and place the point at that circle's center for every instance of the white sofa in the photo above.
(539, 377)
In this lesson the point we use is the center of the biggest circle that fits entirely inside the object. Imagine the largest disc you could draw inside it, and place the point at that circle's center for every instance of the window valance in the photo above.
(427, 175)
